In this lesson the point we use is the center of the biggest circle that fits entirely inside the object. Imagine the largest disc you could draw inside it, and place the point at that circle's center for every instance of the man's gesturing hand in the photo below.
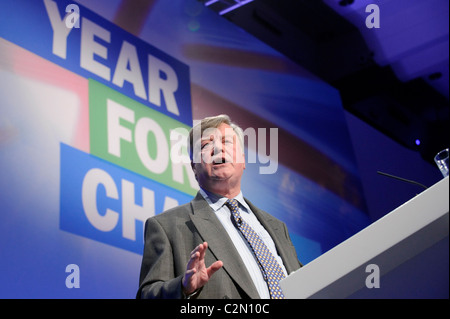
(197, 275)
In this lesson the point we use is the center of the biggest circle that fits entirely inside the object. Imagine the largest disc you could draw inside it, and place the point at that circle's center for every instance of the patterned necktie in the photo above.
(269, 266)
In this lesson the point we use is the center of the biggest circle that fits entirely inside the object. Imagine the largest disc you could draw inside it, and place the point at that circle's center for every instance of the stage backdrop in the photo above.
(92, 124)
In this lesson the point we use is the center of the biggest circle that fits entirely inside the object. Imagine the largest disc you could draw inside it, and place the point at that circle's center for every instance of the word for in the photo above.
(135, 137)
(154, 148)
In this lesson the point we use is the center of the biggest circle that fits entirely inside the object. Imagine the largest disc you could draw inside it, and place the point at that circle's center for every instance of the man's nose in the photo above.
(218, 147)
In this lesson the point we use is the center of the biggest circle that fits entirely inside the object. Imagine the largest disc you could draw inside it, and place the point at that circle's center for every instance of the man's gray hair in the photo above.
(213, 122)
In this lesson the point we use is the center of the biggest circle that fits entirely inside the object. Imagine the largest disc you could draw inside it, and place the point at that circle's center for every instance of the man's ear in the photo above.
(194, 170)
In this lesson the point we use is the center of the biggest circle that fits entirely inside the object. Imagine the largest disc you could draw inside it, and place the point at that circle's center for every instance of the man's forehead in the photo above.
(216, 132)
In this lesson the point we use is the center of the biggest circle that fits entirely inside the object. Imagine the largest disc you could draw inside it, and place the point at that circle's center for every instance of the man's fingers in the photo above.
(193, 279)
(193, 260)
(214, 267)
(195, 250)
(197, 254)
(202, 249)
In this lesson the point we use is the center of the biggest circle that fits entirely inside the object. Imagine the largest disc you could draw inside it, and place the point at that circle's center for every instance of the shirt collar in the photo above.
(216, 201)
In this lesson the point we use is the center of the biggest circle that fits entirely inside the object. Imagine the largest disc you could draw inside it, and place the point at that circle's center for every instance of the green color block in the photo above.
(135, 137)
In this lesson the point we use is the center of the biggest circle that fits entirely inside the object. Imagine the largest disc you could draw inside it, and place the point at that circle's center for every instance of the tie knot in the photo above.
(232, 205)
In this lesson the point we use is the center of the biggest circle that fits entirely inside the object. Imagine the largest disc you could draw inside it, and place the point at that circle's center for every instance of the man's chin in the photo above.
(222, 173)
(221, 176)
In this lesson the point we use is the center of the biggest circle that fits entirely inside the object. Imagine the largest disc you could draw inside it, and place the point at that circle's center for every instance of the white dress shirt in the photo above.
(217, 203)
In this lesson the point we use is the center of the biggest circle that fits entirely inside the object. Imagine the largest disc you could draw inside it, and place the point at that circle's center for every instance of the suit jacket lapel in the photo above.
(220, 244)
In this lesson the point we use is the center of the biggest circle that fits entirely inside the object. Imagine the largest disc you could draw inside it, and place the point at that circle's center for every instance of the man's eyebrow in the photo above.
(208, 139)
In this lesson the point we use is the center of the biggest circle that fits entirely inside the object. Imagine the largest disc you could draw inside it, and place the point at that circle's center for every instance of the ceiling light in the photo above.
(226, 5)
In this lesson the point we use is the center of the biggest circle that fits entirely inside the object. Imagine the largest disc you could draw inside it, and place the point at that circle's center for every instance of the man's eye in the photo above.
(205, 145)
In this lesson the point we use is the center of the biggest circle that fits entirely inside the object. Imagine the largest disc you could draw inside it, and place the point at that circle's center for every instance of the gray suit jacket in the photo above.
(171, 236)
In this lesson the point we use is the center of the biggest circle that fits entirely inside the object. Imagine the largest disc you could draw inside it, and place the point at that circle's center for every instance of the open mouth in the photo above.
(220, 161)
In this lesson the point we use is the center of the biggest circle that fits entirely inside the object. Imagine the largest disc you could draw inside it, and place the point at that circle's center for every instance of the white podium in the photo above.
(409, 246)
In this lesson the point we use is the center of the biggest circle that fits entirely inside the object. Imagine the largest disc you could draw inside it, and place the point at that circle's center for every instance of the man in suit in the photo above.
(199, 250)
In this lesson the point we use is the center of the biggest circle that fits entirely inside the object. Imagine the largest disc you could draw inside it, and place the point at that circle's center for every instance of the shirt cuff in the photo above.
(192, 295)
